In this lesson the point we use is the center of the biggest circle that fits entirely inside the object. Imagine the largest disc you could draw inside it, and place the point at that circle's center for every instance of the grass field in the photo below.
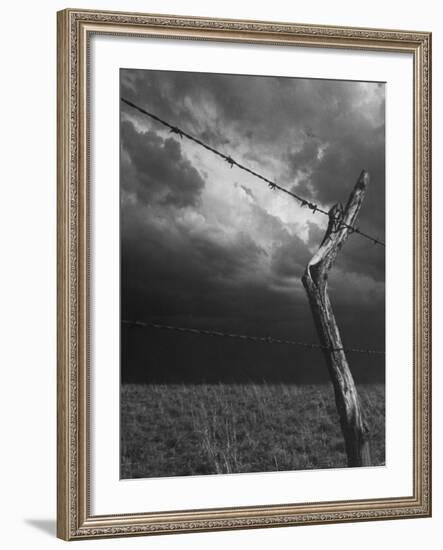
(177, 430)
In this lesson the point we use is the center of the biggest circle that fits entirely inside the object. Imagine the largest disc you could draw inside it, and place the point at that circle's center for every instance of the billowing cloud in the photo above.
(154, 169)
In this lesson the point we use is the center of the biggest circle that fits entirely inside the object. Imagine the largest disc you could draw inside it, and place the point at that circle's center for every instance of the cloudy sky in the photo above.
(208, 246)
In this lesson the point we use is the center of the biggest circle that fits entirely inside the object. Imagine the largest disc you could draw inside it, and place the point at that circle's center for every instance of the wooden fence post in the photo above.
(315, 281)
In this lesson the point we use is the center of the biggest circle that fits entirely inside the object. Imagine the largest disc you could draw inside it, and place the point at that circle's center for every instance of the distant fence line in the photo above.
(246, 337)
(272, 184)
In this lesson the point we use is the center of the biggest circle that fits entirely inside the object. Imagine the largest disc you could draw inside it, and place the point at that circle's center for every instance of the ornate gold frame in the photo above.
(74, 519)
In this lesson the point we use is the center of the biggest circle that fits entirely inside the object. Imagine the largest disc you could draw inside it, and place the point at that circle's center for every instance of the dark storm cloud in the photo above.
(156, 170)
(183, 263)
(261, 109)
(290, 259)
(330, 178)
(182, 275)
(322, 132)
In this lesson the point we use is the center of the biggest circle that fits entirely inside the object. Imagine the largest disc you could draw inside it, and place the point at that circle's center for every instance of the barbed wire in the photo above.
(271, 184)
(247, 337)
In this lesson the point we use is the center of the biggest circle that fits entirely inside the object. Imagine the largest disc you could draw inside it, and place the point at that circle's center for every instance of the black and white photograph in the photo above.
(218, 259)
(252, 269)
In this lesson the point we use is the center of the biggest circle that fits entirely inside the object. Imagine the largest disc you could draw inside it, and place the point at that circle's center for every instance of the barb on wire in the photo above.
(247, 337)
(272, 184)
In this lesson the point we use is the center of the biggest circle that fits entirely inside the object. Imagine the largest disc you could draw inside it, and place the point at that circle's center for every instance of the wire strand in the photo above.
(246, 337)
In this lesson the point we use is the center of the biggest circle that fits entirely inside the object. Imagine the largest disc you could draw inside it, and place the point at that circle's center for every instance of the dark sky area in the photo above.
(208, 246)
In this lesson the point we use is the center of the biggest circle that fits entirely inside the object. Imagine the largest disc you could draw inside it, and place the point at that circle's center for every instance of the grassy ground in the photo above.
(171, 430)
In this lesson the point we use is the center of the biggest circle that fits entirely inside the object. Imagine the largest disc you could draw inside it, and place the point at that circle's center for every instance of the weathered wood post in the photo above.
(315, 281)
